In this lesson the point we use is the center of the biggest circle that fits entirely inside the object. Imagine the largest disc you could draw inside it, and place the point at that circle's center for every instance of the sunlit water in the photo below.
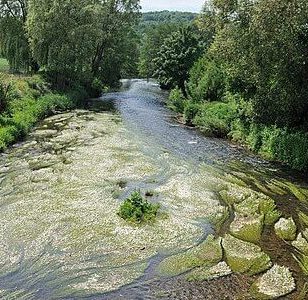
(61, 189)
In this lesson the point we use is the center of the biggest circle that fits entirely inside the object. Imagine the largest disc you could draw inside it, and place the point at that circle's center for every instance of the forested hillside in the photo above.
(151, 19)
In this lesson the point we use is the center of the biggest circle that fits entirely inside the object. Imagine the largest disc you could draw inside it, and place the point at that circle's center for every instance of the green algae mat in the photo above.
(61, 236)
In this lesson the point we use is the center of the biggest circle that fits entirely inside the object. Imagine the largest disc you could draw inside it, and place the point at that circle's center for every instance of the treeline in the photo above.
(84, 41)
(156, 18)
(241, 71)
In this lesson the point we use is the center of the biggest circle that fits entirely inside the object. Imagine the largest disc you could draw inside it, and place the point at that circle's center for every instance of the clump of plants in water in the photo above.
(136, 209)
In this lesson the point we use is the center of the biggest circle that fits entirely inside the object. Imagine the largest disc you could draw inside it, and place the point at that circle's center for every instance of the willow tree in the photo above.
(75, 39)
(14, 44)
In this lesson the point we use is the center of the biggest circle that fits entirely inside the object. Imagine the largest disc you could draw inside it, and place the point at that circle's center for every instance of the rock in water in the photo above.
(301, 244)
(247, 228)
(245, 257)
(207, 254)
(286, 229)
(301, 255)
(275, 283)
(209, 273)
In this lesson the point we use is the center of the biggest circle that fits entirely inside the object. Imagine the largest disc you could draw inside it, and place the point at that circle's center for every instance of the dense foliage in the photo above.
(150, 44)
(150, 20)
(136, 209)
(250, 84)
(154, 28)
(176, 56)
(70, 41)
(14, 45)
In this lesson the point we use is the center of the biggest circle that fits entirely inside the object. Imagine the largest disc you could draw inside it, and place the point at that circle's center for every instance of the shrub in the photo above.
(7, 136)
(177, 101)
(254, 138)
(4, 94)
(190, 112)
(291, 148)
(136, 209)
(273, 143)
(216, 118)
(238, 131)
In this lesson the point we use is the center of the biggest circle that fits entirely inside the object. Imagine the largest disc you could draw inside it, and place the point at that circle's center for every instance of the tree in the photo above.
(76, 40)
(14, 45)
(150, 45)
(176, 56)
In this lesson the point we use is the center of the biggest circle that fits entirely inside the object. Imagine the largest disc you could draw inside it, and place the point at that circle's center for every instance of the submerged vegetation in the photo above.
(238, 70)
(137, 209)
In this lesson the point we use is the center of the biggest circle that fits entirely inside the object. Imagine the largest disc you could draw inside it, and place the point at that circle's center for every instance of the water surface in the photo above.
(61, 189)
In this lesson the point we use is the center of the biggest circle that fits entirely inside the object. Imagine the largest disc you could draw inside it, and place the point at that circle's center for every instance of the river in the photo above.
(61, 188)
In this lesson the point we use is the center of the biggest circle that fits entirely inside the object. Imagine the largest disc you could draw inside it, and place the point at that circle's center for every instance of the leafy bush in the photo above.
(291, 148)
(4, 65)
(177, 101)
(136, 209)
(273, 143)
(4, 94)
(216, 118)
(190, 112)
(207, 81)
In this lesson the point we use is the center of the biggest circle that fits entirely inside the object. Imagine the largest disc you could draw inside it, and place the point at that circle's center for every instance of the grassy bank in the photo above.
(231, 119)
(26, 100)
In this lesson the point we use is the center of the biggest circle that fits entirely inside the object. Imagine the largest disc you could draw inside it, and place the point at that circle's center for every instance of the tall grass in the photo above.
(29, 101)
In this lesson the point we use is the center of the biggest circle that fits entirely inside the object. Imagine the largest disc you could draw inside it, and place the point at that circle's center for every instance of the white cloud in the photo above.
(181, 5)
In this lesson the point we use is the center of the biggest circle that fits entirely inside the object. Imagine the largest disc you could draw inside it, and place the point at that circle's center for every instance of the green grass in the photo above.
(29, 101)
(4, 65)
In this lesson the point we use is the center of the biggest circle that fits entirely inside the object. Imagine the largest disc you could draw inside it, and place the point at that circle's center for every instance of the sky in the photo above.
(181, 5)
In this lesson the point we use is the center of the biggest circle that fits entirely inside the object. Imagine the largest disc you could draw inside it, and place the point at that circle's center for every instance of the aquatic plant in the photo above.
(136, 209)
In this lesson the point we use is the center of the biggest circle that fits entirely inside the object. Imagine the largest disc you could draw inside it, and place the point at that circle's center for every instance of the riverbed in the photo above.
(61, 188)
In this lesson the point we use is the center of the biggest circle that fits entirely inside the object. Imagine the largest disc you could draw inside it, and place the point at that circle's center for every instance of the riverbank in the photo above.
(27, 100)
(228, 119)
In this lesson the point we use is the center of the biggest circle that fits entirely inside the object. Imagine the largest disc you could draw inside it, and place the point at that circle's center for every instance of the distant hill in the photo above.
(154, 18)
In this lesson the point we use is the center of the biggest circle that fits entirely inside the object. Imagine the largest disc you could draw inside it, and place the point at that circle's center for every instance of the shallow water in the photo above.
(60, 191)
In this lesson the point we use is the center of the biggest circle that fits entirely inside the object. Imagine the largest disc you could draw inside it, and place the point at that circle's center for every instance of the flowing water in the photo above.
(61, 189)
